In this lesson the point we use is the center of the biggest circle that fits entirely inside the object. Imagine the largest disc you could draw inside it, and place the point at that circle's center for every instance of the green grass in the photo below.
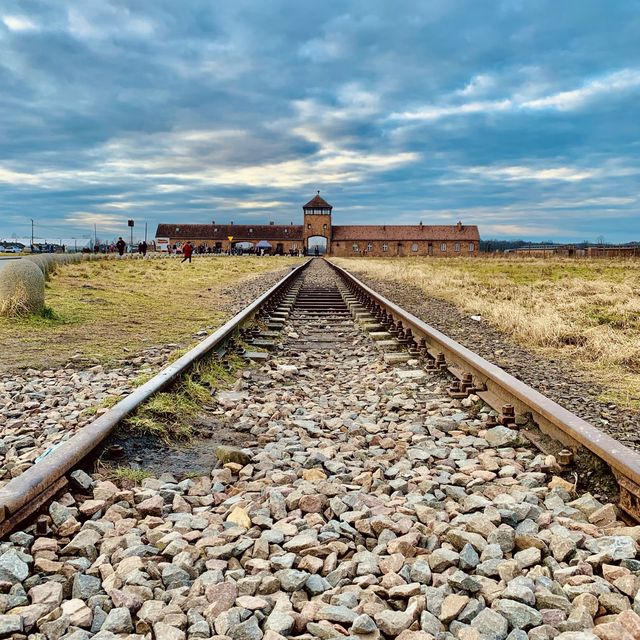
(107, 309)
(143, 378)
(128, 474)
(168, 414)
(107, 403)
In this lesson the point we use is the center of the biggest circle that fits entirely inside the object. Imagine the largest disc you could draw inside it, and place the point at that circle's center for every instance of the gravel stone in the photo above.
(365, 501)
(491, 625)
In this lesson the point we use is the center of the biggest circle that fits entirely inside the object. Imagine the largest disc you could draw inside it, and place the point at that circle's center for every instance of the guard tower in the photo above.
(317, 225)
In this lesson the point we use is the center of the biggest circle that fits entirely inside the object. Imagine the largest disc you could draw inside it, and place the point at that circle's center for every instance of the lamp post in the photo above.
(130, 224)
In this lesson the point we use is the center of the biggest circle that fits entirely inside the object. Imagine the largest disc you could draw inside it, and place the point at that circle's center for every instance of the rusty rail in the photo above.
(508, 395)
(23, 495)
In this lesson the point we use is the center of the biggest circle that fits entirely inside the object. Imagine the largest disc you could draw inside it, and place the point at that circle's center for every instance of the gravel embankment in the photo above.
(370, 506)
(573, 389)
(41, 409)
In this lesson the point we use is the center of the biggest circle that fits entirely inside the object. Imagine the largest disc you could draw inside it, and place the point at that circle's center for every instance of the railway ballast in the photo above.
(374, 499)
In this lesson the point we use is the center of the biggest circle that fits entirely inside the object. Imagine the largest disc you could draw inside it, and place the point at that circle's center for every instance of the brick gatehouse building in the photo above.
(318, 234)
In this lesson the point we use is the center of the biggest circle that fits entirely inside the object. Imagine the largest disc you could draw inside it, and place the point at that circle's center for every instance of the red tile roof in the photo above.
(317, 203)
(240, 232)
(405, 232)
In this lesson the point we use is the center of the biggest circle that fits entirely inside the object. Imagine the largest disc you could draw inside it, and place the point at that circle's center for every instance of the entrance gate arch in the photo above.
(317, 242)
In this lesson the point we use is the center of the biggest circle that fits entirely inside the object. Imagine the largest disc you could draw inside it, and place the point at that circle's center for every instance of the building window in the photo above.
(294, 245)
(250, 230)
(355, 247)
(324, 226)
(309, 225)
(215, 230)
(385, 247)
(456, 246)
(369, 247)
(472, 247)
(414, 246)
(443, 246)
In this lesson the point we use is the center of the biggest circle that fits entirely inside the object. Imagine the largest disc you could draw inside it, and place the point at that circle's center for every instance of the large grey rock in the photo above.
(614, 547)
(291, 579)
(279, 622)
(118, 621)
(10, 624)
(502, 437)
(392, 623)
(247, 630)
(491, 625)
(85, 586)
(520, 616)
(12, 568)
(363, 624)
(336, 614)
(84, 544)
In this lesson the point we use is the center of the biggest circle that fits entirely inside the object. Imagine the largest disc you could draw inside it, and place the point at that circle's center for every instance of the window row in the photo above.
(414, 247)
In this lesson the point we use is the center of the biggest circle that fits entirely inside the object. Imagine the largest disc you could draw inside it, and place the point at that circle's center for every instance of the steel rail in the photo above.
(19, 495)
(551, 418)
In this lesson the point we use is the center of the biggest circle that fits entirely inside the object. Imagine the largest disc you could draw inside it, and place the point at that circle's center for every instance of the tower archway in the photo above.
(317, 224)
(317, 245)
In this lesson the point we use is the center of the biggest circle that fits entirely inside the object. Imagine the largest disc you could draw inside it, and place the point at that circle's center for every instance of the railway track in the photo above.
(388, 484)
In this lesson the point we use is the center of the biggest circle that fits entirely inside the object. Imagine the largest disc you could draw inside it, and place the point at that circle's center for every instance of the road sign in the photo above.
(230, 238)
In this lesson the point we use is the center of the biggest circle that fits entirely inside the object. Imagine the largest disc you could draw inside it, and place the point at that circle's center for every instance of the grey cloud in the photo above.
(186, 111)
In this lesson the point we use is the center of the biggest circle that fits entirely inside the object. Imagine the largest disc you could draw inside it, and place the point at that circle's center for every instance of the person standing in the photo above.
(142, 248)
(121, 245)
(187, 250)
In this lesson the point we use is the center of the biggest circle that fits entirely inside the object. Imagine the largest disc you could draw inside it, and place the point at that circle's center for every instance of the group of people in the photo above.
(201, 249)
(121, 246)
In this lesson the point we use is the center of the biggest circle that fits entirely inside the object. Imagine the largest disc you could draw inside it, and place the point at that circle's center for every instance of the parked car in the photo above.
(11, 249)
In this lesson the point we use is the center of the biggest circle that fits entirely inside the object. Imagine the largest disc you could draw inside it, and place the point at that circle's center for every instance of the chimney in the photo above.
(213, 222)
(271, 222)
(421, 225)
(459, 226)
(231, 222)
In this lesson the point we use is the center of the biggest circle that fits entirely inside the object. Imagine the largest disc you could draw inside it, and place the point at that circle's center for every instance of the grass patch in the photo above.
(100, 308)
(143, 378)
(168, 414)
(107, 403)
(584, 311)
(127, 474)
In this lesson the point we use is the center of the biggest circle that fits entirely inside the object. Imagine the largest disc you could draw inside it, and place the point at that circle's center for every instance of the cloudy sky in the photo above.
(521, 116)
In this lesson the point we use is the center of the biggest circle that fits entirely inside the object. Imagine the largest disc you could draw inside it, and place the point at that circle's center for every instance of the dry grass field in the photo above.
(102, 309)
(584, 311)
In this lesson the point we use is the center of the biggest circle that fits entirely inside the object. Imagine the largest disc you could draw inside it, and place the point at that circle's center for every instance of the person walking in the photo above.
(187, 250)
(121, 245)
(142, 248)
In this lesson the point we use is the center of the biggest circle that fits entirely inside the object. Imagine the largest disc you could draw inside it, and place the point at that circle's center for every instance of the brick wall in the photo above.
(316, 224)
(393, 248)
(287, 244)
